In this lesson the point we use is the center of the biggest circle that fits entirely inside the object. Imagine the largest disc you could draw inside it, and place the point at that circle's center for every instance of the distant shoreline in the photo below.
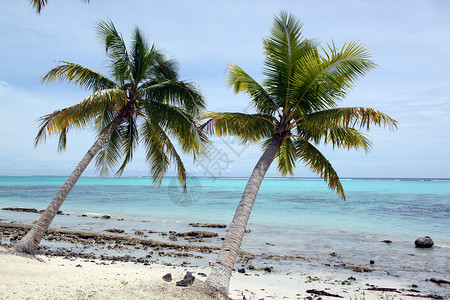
(245, 178)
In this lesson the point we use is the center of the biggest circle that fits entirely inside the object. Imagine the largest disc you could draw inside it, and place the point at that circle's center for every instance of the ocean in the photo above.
(298, 217)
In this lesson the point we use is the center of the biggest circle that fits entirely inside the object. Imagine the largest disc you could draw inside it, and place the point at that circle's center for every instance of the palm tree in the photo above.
(296, 109)
(145, 102)
(38, 5)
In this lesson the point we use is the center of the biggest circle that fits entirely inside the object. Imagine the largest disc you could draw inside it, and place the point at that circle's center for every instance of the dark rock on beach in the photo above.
(167, 277)
(106, 217)
(387, 241)
(323, 293)
(424, 242)
(439, 281)
(198, 234)
(210, 225)
(242, 270)
(187, 280)
(115, 230)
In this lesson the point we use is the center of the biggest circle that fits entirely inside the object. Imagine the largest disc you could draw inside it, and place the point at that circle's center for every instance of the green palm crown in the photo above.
(145, 97)
(298, 100)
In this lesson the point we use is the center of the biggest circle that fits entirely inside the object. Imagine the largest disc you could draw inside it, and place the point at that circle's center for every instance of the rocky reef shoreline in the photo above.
(194, 249)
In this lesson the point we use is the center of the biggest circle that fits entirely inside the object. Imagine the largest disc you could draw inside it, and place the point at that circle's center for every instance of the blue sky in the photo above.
(409, 40)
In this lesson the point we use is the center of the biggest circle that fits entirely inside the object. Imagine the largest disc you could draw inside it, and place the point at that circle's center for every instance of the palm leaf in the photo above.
(184, 95)
(317, 163)
(38, 5)
(116, 50)
(130, 140)
(77, 74)
(80, 115)
(324, 80)
(348, 117)
(241, 81)
(283, 49)
(245, 127)
(111, 152)
(160, 151)
(178, 124)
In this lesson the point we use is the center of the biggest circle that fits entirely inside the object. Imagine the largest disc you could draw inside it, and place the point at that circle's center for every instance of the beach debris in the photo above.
(438, 281)
(323, 293)
(431, 296)
(270, 244)
(197, 234)
(333, 254)
(386, 241)
(167, 277)
(209, 225)
(78, 266)
(251, 267)
(382, 289)
(139, 232)
(187, 280)
(84, 215)
(268, 269)
(424, 242)
(105, 217)
(202, 274)
(115, 230)
(212, 263)
(242, 270)
(310, 279)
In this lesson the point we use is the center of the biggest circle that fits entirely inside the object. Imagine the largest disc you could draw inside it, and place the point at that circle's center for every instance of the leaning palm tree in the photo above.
(296, 109)
(145, 102)
(38, 5)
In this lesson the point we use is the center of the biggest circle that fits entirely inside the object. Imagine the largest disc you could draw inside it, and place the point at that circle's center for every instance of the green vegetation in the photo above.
(296, 110)
(144, 102)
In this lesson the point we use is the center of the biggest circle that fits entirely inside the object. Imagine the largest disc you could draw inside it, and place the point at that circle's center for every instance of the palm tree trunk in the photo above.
(221, 272)
(30, 242)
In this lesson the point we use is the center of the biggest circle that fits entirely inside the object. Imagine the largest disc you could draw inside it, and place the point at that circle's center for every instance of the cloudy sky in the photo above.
(409, 40)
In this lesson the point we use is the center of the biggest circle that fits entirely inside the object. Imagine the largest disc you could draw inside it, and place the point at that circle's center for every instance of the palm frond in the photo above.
(116, 50)
(130, 140)
(339, 137)
(323, 80)
(283, 50)
(80, 115)
(317, 163)
(348, 117)
(111, 152)
(241, 81)
(178, 124)
(160, 151)
(184, 95)
(247, 128)
(38, 5)
(79, 75)
(286, 157)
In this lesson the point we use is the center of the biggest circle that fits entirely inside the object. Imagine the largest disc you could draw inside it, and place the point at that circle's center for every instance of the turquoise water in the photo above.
(403, 207)
(296, 216)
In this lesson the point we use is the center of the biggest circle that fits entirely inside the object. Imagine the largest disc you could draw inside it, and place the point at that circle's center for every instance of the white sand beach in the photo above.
(59, 278)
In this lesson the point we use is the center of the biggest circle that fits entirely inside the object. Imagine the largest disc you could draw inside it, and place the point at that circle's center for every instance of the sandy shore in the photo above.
(72, 266)
(60, 278)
